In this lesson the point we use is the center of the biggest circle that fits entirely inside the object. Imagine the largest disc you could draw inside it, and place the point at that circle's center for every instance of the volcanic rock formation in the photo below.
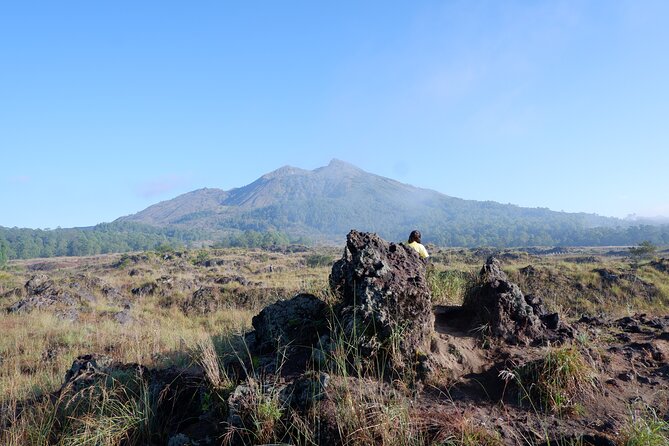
(498, 307)
(385, 304)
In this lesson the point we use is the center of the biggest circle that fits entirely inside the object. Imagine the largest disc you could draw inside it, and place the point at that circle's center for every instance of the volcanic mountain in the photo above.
(325, 203)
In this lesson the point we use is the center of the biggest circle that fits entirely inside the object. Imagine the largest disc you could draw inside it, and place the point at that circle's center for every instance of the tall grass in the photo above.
(645, 428)
(557, 382)
(449, 286)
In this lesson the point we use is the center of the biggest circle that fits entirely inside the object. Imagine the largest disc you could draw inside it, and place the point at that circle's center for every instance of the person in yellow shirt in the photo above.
(414, 242)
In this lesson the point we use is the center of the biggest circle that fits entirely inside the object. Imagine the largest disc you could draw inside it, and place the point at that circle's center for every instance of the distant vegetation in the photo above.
(565, 233)
(325, 203)
(293, 205)
(23, 243)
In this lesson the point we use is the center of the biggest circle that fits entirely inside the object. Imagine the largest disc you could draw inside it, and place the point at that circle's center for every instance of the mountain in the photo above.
(325, 203)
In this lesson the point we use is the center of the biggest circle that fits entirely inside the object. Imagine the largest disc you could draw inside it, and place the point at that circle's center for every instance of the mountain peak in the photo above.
(283, 172)
(338, 167)
(339, 164)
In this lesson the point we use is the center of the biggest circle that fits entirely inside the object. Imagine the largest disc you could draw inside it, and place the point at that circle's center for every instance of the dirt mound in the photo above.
(498, 307)
(386, 304)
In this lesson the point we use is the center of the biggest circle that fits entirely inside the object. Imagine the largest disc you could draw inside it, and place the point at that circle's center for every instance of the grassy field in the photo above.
(163, 309)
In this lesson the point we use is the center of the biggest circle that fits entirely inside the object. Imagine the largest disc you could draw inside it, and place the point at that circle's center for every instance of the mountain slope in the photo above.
(325, 203)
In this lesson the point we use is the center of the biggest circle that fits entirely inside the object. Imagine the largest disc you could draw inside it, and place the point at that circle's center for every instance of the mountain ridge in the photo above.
(326, 202)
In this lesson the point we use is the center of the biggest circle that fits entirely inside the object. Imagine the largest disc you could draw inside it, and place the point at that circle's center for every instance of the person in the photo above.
(414, 242)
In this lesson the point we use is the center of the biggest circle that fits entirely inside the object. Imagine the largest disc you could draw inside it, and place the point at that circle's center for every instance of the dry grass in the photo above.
(37, 348)
(558, 382)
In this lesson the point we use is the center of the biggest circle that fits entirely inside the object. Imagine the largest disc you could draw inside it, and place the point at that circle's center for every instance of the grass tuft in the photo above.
(555, 382)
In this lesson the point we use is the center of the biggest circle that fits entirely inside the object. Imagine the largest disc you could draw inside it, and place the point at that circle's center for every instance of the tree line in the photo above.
(22, 243)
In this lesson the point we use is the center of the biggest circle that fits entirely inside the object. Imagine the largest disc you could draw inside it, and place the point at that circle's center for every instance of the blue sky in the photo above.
(108, 107)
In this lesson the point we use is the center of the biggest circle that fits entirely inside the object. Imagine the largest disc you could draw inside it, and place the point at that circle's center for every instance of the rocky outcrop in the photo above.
(386, 308)
(41, 292)
(298, 321)
(204, 300)
(497, 307)
(661, 265)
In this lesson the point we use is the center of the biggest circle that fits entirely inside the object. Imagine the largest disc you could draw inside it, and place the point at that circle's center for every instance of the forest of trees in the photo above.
(555, 234)
(22, 243)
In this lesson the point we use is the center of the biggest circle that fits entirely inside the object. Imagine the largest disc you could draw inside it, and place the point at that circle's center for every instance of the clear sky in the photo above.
(107, 107)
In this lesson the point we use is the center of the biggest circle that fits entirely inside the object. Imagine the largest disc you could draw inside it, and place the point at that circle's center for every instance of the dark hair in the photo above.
(414, 236)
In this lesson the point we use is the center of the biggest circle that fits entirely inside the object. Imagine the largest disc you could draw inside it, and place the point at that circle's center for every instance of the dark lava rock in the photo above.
(176, 393)
(607, 275)
(633, 324)
(38, 284)
(307, 389)
(83, 373)
(595, 321)
(498, 306)
(146, 289)
(584, 259)
(203, 300)
(661, 265)
(112, 293)
(41, 293)
(298, 321)
(244, 400)
(229, 279)
(386, 304)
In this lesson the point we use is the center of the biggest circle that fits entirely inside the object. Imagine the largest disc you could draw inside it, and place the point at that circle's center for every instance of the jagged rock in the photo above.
(304, 391)
(498, 307)
(41, 293)
(146, 289)
(386, 305)
(38, 284)
(177, 392)
(661, 265)
(228, 279)
(204, 300)
(297, 321)
(82, 374)
(607, 275)
(111, 293)
(181, 440)
(244, 400)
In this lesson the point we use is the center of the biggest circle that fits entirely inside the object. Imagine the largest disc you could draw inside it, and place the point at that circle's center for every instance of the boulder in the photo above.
(304, 391)
(204, 300)
(386, 306)
(41, 293)
(497, 306)
(297, 322)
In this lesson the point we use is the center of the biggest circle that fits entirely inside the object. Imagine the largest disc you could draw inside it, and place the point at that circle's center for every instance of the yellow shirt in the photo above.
(420, 249)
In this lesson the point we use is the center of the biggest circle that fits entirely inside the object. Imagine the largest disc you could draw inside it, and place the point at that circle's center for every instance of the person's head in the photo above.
(414, 236)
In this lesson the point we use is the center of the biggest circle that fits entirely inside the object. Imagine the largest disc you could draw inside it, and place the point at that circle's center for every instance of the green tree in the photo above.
(645, 249)
(3, 252)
